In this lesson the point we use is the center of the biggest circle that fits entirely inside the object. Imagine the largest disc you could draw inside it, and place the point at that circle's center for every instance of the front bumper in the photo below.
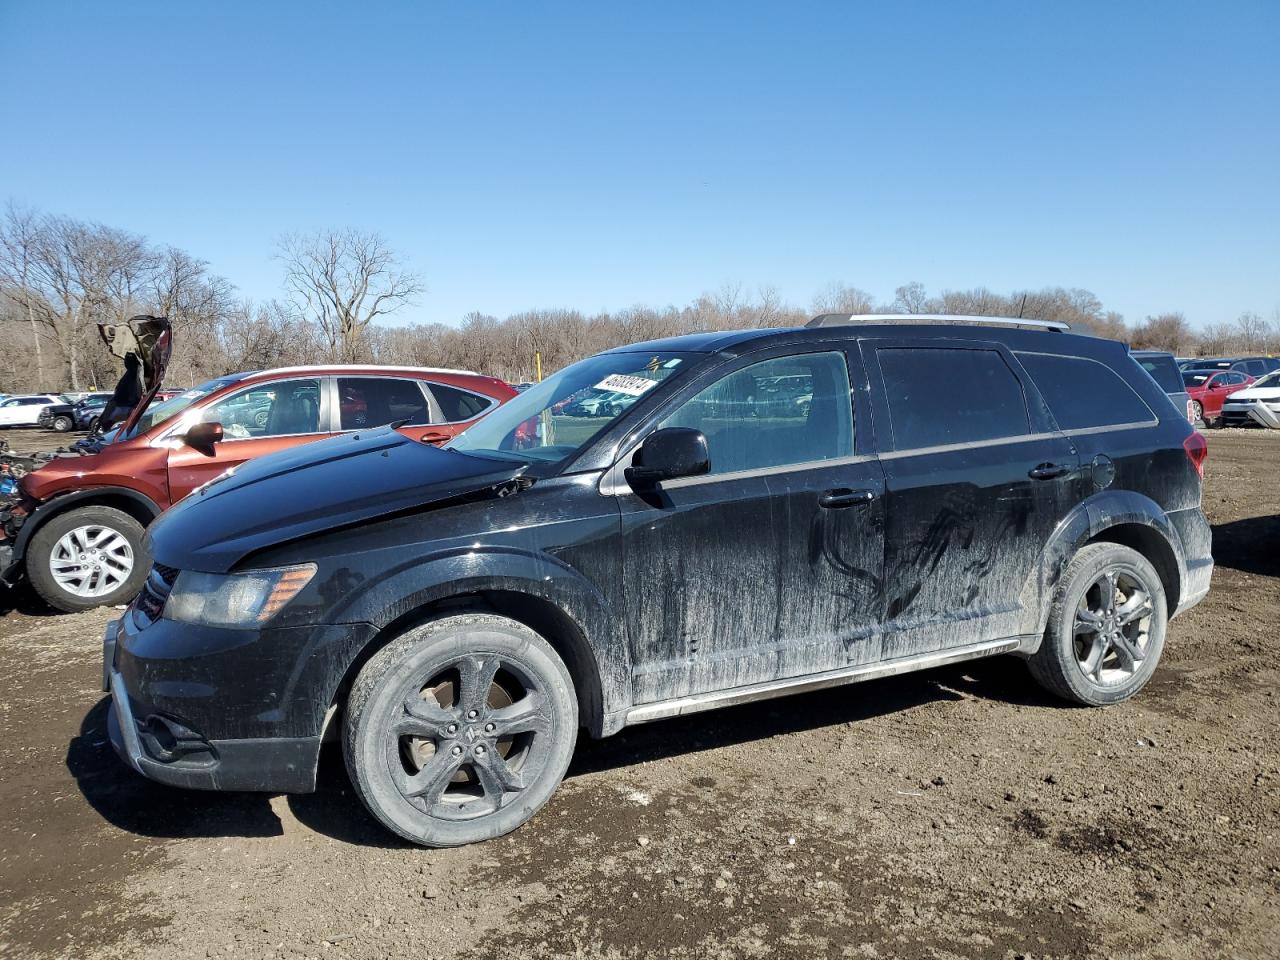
(215, 709)
(1261, 412)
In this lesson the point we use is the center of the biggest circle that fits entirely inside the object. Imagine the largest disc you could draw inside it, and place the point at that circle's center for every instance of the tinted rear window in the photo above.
(1084, 393)
(939, 396)
(458, 405)
(1163, 371)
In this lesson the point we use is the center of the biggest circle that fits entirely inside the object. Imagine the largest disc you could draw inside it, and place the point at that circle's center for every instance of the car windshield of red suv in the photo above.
(158, 413)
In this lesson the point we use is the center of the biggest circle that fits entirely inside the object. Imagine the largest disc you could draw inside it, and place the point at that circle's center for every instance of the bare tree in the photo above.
(842, 298)
(343, 280)
(911, 298)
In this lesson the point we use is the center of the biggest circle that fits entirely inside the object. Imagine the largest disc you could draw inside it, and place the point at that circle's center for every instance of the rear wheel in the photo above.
(89, 557)
(460, 730)
(1106, 627)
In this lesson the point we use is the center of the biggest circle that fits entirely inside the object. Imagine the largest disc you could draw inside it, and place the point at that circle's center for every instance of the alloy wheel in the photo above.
(469, 738)
(91, 561)
(1112, 628)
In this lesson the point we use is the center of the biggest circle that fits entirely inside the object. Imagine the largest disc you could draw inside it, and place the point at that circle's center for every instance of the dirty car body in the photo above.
(853, 536)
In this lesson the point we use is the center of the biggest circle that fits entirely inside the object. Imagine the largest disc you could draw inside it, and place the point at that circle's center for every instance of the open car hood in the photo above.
(144, 343)
(313, 488)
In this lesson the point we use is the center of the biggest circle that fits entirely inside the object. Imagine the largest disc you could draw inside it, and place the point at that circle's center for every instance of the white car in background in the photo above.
(24, 411)
(1257, 403)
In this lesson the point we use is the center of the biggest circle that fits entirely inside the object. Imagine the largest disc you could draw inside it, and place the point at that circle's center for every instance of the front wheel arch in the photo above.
(537, 613)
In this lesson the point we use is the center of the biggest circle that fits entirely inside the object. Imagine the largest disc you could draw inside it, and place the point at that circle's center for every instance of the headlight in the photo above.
(235, 599)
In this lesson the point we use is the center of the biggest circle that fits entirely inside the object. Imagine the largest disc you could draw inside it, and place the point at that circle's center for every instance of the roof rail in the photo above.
(851, 319)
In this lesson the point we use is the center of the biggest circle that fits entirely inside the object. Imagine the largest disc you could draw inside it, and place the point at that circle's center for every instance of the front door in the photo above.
(258, 420)
(769, 566)
(977, 479)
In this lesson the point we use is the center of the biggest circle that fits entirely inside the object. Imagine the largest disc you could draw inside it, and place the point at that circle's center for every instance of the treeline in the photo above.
(59, 276)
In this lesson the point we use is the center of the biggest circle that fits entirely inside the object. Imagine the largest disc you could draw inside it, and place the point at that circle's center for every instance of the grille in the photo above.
(155, 591)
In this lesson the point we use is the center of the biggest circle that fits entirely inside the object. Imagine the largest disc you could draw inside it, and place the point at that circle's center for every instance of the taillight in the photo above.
(1197, 450)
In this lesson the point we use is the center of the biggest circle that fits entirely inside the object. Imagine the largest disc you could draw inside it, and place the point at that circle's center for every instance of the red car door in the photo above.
(261, 419)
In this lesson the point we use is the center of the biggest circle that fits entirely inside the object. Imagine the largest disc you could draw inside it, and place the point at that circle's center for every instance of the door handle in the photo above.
(434, 436)
(1049, 471)
(844, 497)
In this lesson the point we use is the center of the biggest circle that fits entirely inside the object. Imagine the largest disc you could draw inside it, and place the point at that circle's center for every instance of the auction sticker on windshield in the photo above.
(631, 386)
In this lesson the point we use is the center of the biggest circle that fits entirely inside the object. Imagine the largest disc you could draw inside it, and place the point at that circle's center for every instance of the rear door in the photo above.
(454, 409)
(257, 420)
(977, 479)
(364, 403)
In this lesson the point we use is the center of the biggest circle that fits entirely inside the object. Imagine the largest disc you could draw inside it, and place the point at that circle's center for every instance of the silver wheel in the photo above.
(1113, 628)
(91, 561)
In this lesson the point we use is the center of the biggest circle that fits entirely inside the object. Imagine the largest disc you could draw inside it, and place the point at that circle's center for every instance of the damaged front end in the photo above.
(144, 344)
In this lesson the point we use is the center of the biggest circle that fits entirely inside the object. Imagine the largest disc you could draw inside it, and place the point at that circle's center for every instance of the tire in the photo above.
(1129, 649)
(94, 527)
(1197, 410)
(93, 425)
(62, 424)
(438, 668)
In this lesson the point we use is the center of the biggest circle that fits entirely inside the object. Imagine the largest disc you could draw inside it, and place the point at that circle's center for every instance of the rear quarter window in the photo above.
(940, 395)
(1084, 393)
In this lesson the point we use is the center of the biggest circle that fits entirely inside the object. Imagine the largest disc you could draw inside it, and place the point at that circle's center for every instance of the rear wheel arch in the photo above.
(561, 631)
(1155, 547)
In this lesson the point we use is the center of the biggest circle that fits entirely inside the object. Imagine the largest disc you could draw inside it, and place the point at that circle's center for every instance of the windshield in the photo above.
(158, 413)
(1197, 378)
(553, 419)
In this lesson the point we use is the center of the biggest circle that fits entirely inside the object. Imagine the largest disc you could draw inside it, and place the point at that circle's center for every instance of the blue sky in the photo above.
(597, 155)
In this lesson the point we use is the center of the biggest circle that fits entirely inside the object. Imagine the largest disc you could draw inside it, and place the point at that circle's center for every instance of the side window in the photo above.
(941, 395)
(790, 410)
(1236, 378)
(376, 401)
(280, 409)
(1084, 393)
(458, 405)
(1255, 368)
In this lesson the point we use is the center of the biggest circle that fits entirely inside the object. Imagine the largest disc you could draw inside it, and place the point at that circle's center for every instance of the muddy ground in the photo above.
(954, 813)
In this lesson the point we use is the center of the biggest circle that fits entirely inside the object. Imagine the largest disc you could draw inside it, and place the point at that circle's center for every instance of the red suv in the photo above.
(1207, 388)
(78, 528)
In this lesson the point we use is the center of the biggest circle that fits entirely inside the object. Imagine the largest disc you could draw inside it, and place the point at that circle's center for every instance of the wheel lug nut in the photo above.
(479, 749)
(472, 714)
(488, 728)
(457, 751)
(452, 728)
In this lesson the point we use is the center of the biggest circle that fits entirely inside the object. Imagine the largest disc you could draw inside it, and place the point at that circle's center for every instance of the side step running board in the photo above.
(819, 681)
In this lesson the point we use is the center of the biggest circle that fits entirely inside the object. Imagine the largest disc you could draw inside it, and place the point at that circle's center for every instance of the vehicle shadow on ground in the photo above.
(133, 803)
(1243, 545)
(20, 598)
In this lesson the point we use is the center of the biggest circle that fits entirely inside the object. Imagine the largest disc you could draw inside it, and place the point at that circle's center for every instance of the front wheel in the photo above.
(460, 729)
(88, 557)
(1197, 411)
(1106, 627)
(62, 424)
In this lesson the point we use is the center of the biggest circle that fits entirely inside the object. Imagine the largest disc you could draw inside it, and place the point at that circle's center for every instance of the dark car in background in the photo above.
(1256, 366)
(898, 493)
(1163, 368)
(81, 415)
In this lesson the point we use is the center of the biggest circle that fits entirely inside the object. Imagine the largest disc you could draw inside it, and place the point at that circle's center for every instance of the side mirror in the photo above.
(667, 454)
(202, 437)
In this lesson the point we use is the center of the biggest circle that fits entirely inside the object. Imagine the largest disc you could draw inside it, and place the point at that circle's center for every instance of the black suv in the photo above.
(946, 490)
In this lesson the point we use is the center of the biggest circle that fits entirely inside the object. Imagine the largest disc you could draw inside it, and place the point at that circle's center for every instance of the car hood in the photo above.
(1256, 393)
(313, 488)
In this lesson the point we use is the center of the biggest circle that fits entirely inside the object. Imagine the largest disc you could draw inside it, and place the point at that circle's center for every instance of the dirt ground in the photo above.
(953, 813)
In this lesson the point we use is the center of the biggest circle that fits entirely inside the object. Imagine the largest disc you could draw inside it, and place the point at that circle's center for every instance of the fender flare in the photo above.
(66, 501)
(1086, 521)
(588, 636)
